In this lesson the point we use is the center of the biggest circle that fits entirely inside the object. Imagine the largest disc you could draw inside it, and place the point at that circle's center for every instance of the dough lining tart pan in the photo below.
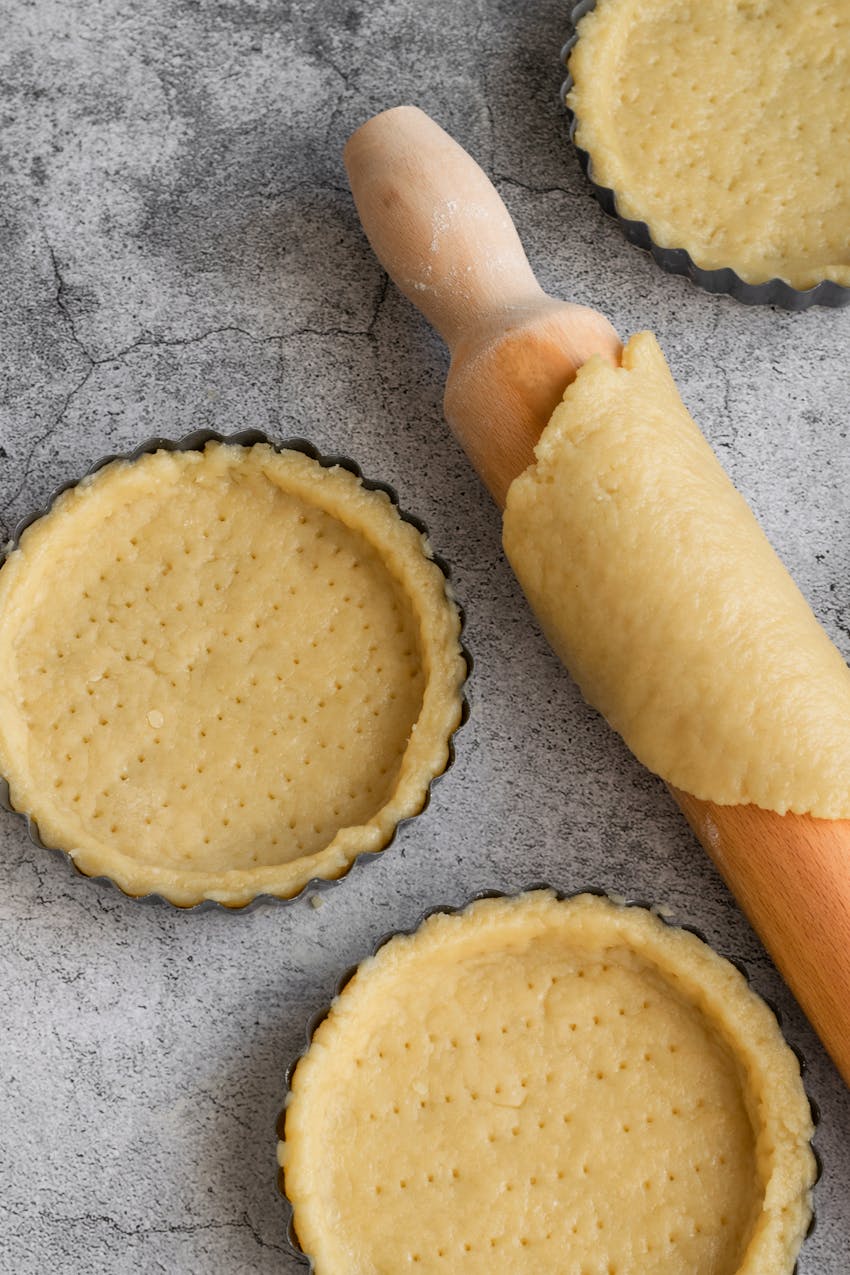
(234, 670)
(544, 1082)
(674, 259)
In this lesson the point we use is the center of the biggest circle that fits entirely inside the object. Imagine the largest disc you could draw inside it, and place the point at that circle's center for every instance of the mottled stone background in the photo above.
(180, 249)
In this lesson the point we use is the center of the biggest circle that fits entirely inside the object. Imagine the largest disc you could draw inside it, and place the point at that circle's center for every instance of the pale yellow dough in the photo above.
(548, 1088)
(657, 588)
(223, 673)
(724, 125)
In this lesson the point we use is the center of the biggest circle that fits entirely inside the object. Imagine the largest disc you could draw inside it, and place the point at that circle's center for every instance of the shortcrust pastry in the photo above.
(223, 673)
(723, 125)
(662, 595)
(542, 1086)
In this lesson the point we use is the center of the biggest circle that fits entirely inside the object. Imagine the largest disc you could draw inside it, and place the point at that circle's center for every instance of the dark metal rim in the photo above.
(776, 292)
(294, 1248)
(197, 441)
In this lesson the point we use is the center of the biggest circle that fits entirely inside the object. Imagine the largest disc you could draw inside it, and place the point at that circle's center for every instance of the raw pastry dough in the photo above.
(657, 588)
(223, 673)
(723, 124)
(533, 1086)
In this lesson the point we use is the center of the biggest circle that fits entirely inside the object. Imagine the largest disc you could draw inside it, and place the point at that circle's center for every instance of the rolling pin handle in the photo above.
(437, 223)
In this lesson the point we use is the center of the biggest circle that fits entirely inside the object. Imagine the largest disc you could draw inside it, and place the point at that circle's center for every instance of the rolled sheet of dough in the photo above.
(656, 586)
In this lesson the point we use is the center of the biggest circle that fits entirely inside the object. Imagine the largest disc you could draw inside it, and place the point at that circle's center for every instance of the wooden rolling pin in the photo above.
(440, 229)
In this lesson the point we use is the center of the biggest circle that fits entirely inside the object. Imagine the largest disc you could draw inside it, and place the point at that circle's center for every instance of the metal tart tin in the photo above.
(196, 442)
(776, 292)
(292, 1243)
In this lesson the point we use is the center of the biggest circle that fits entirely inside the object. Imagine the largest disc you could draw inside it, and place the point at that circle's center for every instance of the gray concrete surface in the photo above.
(179, 249)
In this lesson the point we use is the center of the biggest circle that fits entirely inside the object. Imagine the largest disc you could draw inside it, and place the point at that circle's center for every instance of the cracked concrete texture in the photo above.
(180, 250)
